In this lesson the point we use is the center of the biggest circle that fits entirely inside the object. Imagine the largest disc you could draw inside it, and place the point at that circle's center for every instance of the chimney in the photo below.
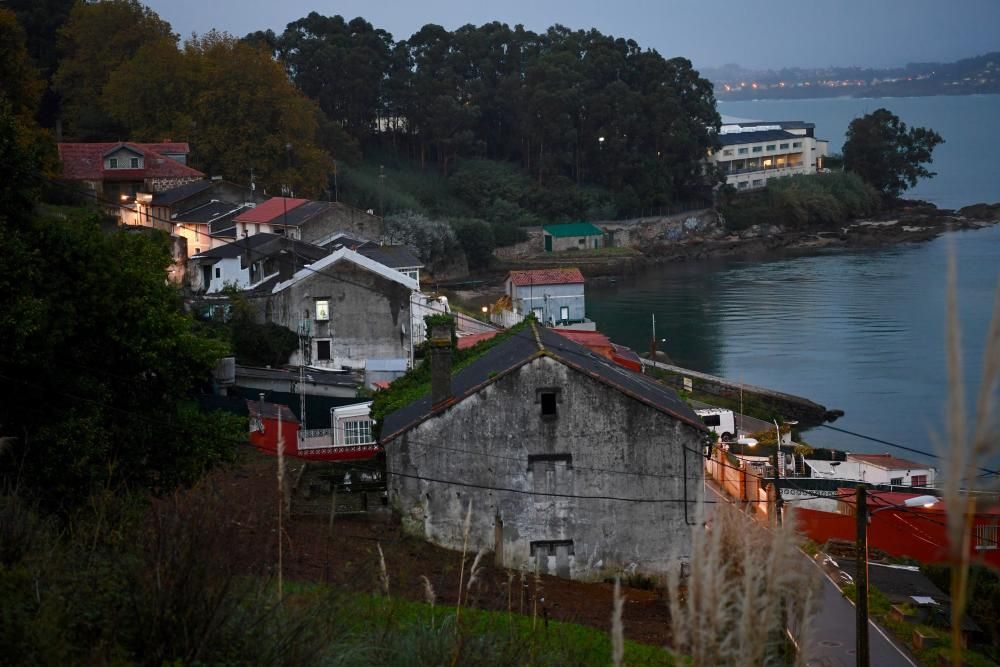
(439, 347)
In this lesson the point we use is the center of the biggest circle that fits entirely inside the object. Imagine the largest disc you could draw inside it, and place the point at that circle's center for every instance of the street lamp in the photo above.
(861, 574)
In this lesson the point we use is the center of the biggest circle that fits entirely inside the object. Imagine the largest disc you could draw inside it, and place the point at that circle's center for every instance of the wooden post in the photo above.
(861, 578)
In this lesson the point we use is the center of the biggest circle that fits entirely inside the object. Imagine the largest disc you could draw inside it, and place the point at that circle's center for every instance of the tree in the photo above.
(96, 40)
(888, 155)
(476, 239)
(99, 361)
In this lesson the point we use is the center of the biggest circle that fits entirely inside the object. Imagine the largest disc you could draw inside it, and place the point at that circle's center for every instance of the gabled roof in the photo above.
(304, 213)
(237, 248)
(566, 276)
(273, 208)
(573, 229)
(393, 256)
(345, 239)
(523, 347)
(209, 212)
(180, 193)
(264, 245)
(85, 161)
(347, 255)
(887, 461)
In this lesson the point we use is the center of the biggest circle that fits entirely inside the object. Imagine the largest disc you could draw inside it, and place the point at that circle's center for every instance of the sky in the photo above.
(759, 35)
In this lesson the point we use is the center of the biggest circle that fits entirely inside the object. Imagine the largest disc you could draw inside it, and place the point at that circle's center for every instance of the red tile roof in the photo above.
(85, 162)
(465, 342)
(269, 210)
(597, 342)
(888, 461)
(546, 277)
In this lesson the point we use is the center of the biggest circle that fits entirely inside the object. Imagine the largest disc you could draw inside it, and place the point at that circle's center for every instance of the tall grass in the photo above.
(965, 452)
(745, 582)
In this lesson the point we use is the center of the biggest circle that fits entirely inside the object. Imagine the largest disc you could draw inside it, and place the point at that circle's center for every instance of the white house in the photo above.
(753, 152)
(875, 469)
(554, 296)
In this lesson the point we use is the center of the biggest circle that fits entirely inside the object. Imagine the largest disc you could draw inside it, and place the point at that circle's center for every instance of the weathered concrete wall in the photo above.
(640, 233)
(369, 315)
(602, 443)
(573, 242)
(341, 218)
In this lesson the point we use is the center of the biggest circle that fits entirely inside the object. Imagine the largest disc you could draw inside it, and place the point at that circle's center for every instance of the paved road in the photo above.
(832, 639)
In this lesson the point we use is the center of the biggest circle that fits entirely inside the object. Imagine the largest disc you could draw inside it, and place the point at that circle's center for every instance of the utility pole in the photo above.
(381, 188)
(778, 462)
(861, 577)
(281, 507)
(652, 344)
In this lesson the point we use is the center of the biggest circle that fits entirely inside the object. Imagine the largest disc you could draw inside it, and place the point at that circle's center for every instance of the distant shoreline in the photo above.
(868, 96)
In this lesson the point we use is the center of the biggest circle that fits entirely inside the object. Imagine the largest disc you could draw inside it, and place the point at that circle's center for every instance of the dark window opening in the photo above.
(712, 420)
(549, 547)
(218, 272)
(548, 404)
(323, 350)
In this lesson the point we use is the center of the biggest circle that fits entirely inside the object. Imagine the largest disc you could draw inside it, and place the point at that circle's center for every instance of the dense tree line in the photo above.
(571, 107)
(568, 107)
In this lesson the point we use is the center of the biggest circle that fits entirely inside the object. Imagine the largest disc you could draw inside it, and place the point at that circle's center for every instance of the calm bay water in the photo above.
(862, 331)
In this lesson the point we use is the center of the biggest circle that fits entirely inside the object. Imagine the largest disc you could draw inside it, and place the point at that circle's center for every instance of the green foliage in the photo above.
(252, 343)
(101, 360)
(96, 39)
(983, 599)
(888, 155)
(434, 241)
(813, 201)
(476, 239)
(568, 107)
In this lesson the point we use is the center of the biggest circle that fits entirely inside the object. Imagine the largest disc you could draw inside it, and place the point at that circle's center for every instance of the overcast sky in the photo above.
(764, 34)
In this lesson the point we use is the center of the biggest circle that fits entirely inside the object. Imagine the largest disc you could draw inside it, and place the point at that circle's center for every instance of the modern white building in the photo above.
(753, 152)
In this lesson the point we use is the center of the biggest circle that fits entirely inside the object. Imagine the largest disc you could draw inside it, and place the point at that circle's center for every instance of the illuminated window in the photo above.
(322, 310)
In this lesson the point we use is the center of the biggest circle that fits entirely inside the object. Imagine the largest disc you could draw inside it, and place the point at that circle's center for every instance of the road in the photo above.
(832, 639)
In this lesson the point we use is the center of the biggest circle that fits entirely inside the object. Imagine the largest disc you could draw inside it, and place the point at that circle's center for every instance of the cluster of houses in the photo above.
(573, 461)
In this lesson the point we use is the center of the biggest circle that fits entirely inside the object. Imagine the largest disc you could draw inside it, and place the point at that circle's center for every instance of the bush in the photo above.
(433, 240)
(814, 201)
(476, 238)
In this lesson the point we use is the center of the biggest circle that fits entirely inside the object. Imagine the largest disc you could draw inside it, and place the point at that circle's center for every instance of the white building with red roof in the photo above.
(116, 171)
(554, 296)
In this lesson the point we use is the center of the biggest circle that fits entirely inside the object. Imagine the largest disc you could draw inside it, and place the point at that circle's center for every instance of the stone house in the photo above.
(306, 220)
(572, 464)
(572, 236)
(348, 307)
(115, 172)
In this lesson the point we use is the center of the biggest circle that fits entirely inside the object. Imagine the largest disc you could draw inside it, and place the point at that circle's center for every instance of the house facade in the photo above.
(555, 297)
(248, 263)
(347, 307)
(572, 236)
(116, 172)
(306, 220)
(753, 152)
(571, 465)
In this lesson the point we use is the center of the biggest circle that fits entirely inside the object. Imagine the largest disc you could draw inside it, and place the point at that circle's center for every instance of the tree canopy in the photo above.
(887, 154)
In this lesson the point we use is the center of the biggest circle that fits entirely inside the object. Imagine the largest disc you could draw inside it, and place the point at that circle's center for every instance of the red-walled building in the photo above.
(348, 438)
(913, 532)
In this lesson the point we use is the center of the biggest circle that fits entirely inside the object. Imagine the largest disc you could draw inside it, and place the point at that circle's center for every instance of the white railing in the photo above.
(315, 438)
(506, 318)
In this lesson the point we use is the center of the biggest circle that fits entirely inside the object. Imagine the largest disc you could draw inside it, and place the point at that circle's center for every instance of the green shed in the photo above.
(578, 235)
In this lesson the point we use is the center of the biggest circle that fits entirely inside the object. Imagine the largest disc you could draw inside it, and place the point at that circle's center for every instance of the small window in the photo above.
(564, 313)
(770, 147)
(757, 149)
(134, 163)
(986, 536)
(549, 400)
(758, 182)
(582, 241)
(712, 420)
(918, 480)
(322, 350)
(742, 185)
(896, 481)
(796, 144)
(783, 146)
(357, 431)
(743, 151)
(113, 163)
(256, 228)
(218, 272)
(728, 151)
(322, 310)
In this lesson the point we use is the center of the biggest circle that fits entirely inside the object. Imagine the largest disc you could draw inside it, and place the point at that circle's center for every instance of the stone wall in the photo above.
(602, 443)
(341, 218)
